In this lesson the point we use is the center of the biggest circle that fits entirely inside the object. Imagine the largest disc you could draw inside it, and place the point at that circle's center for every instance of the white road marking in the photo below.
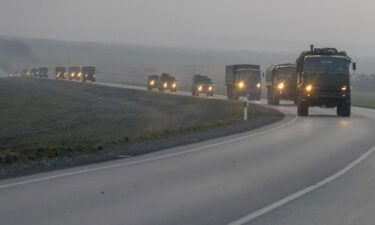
(281, 202)
(149, 159)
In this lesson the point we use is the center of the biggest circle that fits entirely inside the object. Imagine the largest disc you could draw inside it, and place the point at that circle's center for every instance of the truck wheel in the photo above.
(258, 97)
(229, 93)
(149, 88)
(295, 100)
(302, 109)
(344, 109)
(276, 100)
(269, 96)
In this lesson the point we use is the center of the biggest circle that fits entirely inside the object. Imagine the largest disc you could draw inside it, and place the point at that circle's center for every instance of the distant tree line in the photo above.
(363, 82)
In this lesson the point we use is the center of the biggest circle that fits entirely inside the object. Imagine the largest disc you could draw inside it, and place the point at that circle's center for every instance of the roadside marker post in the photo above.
(245, 106)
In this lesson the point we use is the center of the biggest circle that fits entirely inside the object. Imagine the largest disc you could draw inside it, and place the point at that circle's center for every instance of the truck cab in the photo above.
(43, 72)
(323, 79)
(33, 72)
(243, 80)
(74, 73)
(88, 73)
(281, 82)
(60, 72)
(167, 82)
(202, 85)
(152, 82)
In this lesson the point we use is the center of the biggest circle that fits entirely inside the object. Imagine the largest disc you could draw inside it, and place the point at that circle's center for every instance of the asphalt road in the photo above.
(239, 179)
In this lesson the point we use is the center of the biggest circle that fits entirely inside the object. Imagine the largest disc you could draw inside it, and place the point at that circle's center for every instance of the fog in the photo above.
(263, 25)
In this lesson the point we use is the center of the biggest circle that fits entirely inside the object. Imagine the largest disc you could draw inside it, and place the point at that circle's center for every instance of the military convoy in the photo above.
(320, 77)
(281, 82)
(323, 79)
(243, 80)
(202, 85)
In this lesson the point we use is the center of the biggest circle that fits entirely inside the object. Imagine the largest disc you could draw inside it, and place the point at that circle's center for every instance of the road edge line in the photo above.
(254, 215)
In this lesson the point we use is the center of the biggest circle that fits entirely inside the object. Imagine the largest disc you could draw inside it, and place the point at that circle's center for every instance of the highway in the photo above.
(301, 170)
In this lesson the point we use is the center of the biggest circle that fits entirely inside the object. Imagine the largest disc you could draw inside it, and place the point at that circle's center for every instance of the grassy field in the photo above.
(363, 99)
(47, 118)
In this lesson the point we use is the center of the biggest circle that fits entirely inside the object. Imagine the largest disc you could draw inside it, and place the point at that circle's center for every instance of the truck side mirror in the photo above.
(354, 66)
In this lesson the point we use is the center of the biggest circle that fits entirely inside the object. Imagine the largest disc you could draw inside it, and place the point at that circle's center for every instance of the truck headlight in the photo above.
(258, 85)
(344, 88)
(72, 74)
(309, 87)
(152, 82)
(165, 85)
(241, 84)
(200, 88)
(80, 74)
(210, 88)
(280, 86)
(174, 85)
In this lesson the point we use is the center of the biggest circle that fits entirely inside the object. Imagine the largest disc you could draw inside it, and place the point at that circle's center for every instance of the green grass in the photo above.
(363, 99)
(46, 119)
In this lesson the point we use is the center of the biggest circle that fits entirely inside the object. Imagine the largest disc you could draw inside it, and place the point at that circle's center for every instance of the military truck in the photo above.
(88, 73)
(34, 72)
(60, 72)
(43, 72)
(243, 80)
(202, 84)
(152, 82)
(323, 79)
(24, 73)
(74, 73)
(281, 82)
(167, 82)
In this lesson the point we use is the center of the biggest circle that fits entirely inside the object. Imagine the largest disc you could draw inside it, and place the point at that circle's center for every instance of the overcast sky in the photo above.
(248, 24)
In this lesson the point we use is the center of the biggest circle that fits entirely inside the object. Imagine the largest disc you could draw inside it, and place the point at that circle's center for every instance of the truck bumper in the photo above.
(326, 99)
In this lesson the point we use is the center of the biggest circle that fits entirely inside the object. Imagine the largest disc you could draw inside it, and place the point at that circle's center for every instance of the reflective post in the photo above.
(245, 106)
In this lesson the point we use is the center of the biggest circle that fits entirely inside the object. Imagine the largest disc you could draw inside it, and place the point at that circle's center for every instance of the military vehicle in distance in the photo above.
(60, 72)
(25, 73)
(152, 82)
(74, 73)
(323, 79)
(88, 73)
(42, 72)
(34, 72)
(167, 82)
(243, 80)
(202, 84)
(281, 82)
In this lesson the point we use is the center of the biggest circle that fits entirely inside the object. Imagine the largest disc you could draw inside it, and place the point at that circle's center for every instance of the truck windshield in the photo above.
(326, 65)
(249, 75)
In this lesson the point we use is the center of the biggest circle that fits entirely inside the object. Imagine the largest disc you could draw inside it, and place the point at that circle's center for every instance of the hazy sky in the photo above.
(251, 24)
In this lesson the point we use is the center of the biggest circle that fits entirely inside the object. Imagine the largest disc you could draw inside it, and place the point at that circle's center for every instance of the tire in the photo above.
(295, 100)
(149, 89)
(258, 97)
(276, 100)
(269, 96)
(302, 109)
(344, 109)
(229, 93)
